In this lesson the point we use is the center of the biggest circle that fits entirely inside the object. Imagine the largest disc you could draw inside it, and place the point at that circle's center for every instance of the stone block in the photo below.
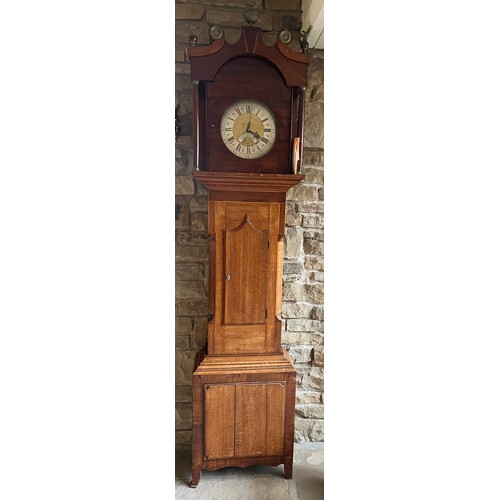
(185, 253)
(313, 293)
(319, 326)
(309, 429)
(200, 188)
(189, 11)
(317, 276)
(316, 70)
(314, 175)
(226, 17)
(184, 185)
(182, 213)
(183, 326)
(293, 292)
(197, 28)
(183, 416)
(293, 267)
(313, 247)
(184, 142)
(183, 83)
(235, 19)
(191, 307)
(184, 364)
(227, 3)
(291, 278)
(318, 313)
(317, 382)
(314, 378)
(314, 234)
(293, 242)
(313, 158)
(181, 342)
(182, 69)
(307, 397)
(296, 310)
(314, 262)
(189, 271)
(310, 410)
(183, 438)
(182, 448)
(199, 221)
(293, 219)
(189, 290)
(289, 21)
(199, 335)
(184, 394)
(206, 271)
(185, 101)
(186, 126)
(179, 56)
(265, 21)
(191, 238)
(301, 325)
(302, 338)
(313, 220)
(180, 165)
(318, 93)
(302, 192)
(300, 354)
(314, 125)
(198, 204)
(319, 356)
(282, 4)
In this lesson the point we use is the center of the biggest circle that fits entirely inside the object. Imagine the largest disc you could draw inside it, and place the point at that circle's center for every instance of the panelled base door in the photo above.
(244, 420)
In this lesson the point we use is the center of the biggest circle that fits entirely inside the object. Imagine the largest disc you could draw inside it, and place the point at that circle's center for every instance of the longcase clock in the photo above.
(248, 112)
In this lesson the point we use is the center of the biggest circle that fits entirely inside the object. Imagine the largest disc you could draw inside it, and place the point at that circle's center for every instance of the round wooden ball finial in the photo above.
(251, 16)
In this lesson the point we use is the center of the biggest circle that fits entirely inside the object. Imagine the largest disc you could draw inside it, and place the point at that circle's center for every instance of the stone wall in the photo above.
(302, 309)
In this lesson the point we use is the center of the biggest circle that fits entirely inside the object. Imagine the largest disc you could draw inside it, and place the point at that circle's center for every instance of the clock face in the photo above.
(248, 129)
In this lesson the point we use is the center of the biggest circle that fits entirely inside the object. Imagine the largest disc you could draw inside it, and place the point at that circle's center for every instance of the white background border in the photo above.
(87, 260)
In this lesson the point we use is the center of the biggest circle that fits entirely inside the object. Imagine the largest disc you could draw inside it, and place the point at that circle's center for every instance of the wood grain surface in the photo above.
(251, 407)
(219, 421)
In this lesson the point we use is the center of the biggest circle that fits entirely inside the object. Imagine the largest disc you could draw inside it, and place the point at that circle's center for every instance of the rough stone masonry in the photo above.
(303, 292)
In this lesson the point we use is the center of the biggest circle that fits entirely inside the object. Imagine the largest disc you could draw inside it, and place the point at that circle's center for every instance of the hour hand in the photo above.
(249, 123)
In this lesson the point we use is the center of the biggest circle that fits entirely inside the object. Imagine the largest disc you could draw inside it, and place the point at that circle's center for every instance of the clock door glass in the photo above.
(248, 129)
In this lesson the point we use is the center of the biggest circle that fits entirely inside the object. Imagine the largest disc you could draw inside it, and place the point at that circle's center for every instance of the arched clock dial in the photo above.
(248, 129)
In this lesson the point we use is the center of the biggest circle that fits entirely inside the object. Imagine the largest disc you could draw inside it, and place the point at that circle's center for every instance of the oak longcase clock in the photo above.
(248, 109)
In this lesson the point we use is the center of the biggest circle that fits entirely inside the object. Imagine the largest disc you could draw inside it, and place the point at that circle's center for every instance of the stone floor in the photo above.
(256, 482)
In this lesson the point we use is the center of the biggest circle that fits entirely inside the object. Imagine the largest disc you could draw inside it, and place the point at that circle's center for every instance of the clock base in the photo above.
(243, 412)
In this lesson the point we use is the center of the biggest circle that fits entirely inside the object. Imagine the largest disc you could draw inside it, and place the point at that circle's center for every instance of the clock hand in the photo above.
(249, 122)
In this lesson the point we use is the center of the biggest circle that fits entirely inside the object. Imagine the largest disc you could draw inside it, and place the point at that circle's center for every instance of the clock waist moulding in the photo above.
(248, 112)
